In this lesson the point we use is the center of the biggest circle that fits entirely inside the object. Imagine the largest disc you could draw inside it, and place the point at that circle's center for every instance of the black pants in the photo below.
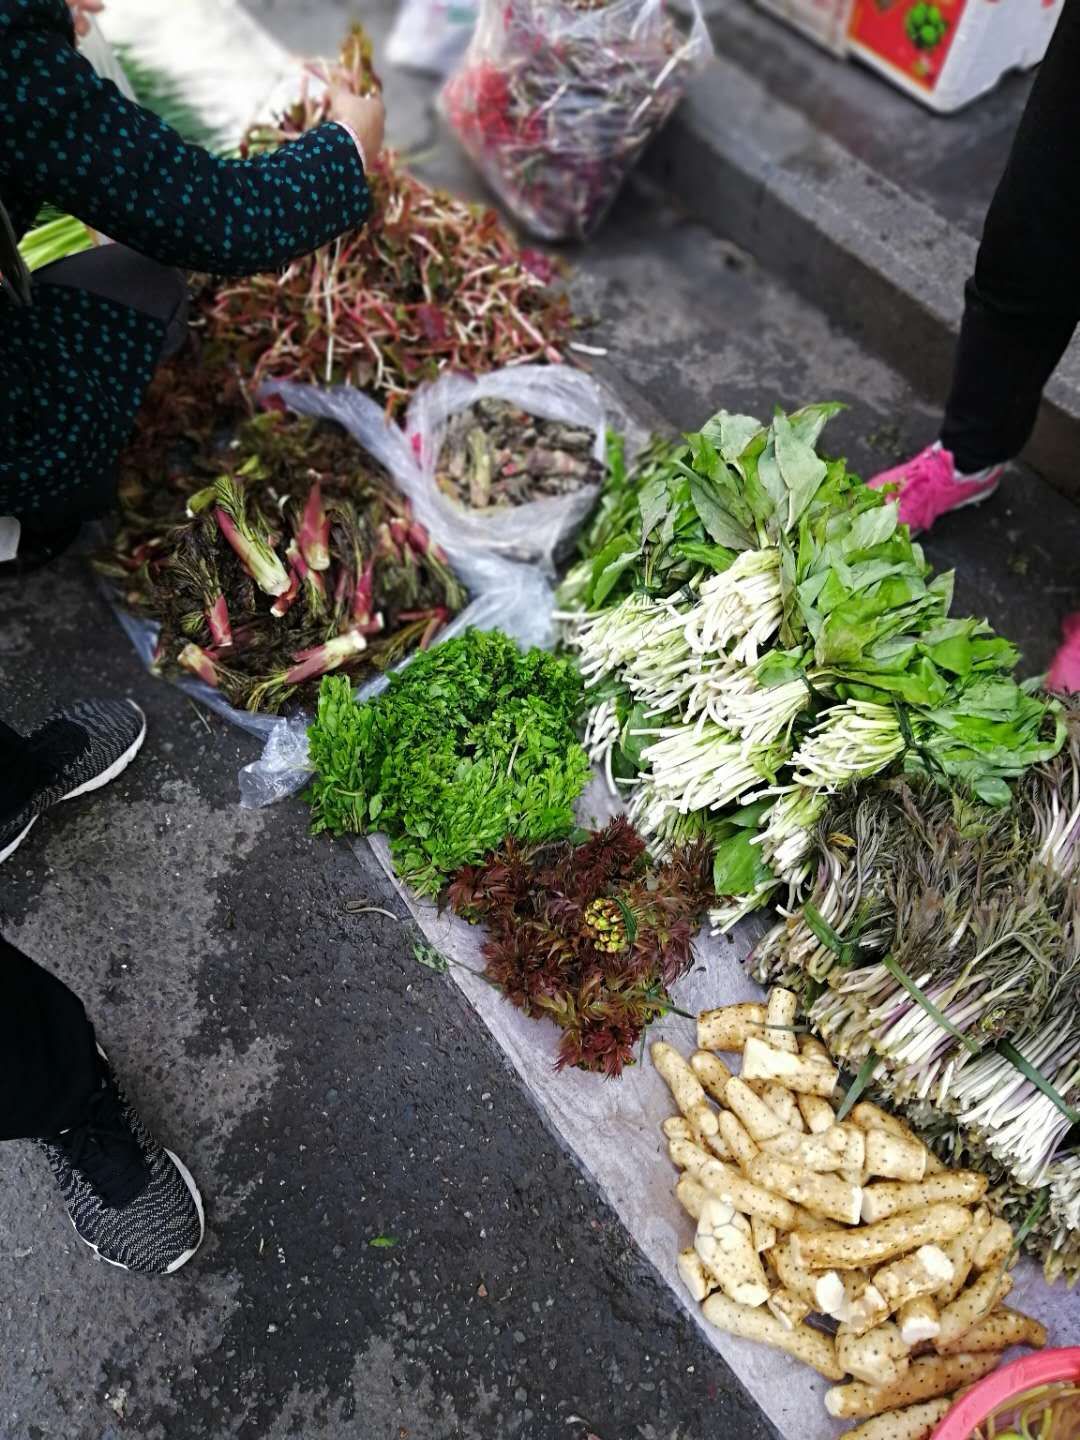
(47, 1058)
(47, 1068)
(1023, 302)
(19, 775)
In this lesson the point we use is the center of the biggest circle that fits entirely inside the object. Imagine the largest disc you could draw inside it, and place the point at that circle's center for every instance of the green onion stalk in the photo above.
(603, 734)
(1019, 1122)
(788, 836)
(658, 819)
(706, 768)
(733, 699)
(851, 741)
(663, 671)
(724, 918)
(607, 641)
(738, 611)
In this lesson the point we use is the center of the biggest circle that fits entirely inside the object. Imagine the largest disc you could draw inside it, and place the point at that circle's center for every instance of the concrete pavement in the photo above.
(326, 1089)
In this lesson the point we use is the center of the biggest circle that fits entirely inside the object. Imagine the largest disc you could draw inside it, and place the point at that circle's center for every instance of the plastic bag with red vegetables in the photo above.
(556, 99)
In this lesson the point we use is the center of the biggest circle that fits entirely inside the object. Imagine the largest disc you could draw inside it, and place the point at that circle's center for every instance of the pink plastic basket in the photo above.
(1008, 1383)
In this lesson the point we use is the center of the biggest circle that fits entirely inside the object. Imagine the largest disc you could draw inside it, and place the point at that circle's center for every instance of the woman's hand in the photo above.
(364, 115)
(81, 10)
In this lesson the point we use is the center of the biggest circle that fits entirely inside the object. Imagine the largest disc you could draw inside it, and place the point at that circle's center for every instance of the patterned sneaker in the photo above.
(1064, 676)
(132, 1202)
(929, 486)
(80, 749)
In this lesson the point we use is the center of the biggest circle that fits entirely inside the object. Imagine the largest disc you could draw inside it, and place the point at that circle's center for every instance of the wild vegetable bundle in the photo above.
(587, 935)
(471, 743)
(497, 455)
(274, 561)
(557, 98)
(939, 954)
(758, 632)
(429, 284)
(811, 1211)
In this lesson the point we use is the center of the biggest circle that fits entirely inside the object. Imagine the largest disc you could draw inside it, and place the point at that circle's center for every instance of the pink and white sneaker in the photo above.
(929, 486)
(1064, 676)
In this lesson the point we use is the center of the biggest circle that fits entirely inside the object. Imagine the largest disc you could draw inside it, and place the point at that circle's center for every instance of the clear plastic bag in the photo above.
(554, 104)
(527, 534)
(97, 50)
(432, 35)
(514, 598)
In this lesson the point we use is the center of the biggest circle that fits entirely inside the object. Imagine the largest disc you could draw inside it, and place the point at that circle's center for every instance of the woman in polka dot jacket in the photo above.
(79, 344)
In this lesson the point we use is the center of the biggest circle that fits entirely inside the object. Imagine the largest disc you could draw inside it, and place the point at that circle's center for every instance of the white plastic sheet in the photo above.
(614, 1129)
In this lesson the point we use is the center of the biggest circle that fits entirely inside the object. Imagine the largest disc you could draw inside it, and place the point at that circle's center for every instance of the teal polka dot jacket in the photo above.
(74, 367)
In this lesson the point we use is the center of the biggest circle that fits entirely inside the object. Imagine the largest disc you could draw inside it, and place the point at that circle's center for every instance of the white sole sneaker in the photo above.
(192, 1189)
(182, 1259)
(9, 850)
(116, 768)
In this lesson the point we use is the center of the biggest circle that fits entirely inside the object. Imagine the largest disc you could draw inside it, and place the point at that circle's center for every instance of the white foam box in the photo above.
(949, 52)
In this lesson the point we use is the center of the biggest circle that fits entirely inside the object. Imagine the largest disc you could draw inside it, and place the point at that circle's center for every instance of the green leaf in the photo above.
(382, 1242)
(715, 557)
(731, 433)
(872, 527)
(780, 667)
(858, 1085)
(825, 935)
(1031, 1219)
(720, 524)
(801, 468)
(738, 868)
(610, 564)
(1029, 1072)
(653, 504)
(426, 955)
(897, 972)
(629, 919)
(768, 472)
(809, 422)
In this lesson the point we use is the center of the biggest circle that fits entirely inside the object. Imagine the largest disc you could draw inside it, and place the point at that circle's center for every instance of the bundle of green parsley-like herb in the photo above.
(473, 742)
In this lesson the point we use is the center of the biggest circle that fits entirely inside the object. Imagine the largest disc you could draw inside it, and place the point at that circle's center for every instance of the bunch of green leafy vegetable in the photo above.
(757, 630)
(472, 742)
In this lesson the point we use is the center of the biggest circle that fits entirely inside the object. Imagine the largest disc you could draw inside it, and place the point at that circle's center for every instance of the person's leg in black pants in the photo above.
(19, 772)
(134, 1203)
(1023, 302)
(48, 1063)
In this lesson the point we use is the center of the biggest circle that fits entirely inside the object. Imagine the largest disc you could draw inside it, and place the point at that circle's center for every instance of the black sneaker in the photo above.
(132, 1202)
(80, 749)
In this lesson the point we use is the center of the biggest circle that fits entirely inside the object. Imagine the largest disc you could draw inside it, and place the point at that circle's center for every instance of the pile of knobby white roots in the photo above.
(842, 1241)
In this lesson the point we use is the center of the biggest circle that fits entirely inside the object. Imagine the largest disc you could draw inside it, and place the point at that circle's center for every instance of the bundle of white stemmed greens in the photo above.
(938, 955)
(758, 632)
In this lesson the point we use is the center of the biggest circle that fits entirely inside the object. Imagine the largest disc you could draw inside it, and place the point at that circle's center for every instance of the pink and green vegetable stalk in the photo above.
(251, 542)
(314, 533)
(217, 618)
(312, 579)
(322, 659)
(364, 595)
(284, 603)
(201, 663)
